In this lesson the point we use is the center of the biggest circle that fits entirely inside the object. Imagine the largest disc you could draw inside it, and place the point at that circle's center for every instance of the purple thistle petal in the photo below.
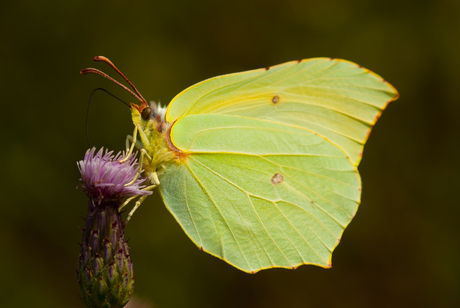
(104, 176)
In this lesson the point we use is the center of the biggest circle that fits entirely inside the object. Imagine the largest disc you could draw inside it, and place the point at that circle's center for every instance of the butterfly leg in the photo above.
(141, 164)
(153, 177)
(131, 148)
(128, 139)
(138, 203)
(126, 202)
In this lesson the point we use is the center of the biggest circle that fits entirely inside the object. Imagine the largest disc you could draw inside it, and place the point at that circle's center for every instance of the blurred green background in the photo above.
(401, 250)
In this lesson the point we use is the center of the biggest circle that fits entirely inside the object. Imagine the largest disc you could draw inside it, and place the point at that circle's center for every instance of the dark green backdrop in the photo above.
(402, 248)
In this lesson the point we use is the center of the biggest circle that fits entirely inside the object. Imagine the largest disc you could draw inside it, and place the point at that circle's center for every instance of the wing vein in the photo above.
(223, 217)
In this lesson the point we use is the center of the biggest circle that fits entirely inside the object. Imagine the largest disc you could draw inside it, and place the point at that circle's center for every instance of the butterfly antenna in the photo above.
(89, 103)
(98, 72)
(106, 60)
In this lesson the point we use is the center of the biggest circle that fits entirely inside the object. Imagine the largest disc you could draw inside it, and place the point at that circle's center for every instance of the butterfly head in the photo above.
(152, 115)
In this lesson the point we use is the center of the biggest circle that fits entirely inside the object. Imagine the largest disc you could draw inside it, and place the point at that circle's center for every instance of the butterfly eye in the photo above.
(146, 113)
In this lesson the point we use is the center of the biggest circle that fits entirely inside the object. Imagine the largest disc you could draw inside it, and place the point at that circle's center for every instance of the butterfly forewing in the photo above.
(336, 99)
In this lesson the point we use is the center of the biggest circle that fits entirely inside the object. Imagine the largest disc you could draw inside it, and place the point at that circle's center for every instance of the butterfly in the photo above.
(259, 168)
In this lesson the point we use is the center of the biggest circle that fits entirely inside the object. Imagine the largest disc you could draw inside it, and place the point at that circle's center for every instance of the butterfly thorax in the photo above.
(152, 135)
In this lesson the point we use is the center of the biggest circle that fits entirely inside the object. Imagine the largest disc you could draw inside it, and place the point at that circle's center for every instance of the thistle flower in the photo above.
(104, 177)
(105, 274)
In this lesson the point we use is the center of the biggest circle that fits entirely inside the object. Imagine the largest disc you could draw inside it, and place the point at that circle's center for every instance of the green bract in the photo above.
(105, 274)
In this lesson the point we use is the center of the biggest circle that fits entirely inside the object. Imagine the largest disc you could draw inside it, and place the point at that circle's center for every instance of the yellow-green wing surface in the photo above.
(336, 99)
(258, 193)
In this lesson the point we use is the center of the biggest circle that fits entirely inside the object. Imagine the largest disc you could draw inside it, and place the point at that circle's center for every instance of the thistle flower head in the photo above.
(105, 177)
(105, 273)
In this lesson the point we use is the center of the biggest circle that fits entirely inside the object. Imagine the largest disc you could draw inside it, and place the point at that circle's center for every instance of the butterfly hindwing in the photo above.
(257, 193)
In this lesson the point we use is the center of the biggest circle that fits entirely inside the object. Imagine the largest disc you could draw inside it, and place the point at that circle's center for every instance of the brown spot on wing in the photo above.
(275, 99)
(277, 178)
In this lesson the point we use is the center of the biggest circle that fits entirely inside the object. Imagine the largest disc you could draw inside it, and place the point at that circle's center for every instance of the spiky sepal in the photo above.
(105, 274)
